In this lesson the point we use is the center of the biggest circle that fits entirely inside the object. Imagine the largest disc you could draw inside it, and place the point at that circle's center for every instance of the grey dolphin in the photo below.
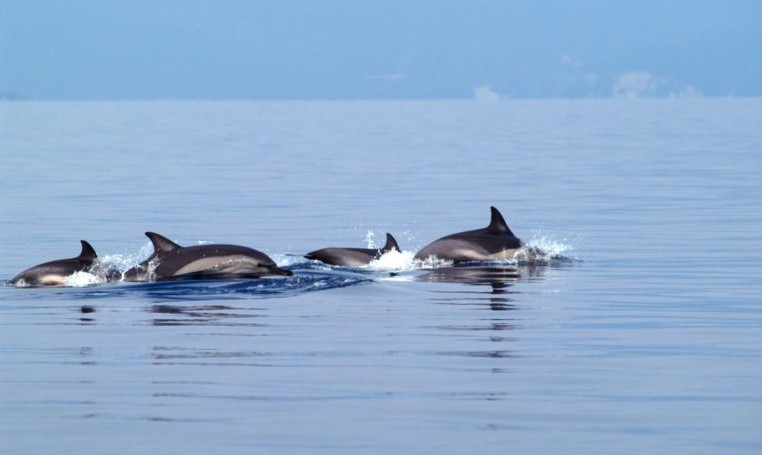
(54, 273)
(170, 260)
(494, 242)
(352, 257)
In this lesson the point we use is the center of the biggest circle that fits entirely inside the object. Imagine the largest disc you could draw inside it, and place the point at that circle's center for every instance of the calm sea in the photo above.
(646, 338)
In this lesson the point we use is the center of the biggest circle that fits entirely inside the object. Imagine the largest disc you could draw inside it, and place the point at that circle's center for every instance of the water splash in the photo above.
(287, 260)
(370, 239)
(393, 261)
(432, 262)
(124, 261)
(83, 279)
(544, 248)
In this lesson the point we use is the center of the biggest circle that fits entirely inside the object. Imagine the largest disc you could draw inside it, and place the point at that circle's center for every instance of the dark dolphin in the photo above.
(494, 242)
(54, 273)
(352, 257)
(170, 260)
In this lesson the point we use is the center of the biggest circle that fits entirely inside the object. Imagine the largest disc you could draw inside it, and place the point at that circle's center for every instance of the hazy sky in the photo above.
(349, 49)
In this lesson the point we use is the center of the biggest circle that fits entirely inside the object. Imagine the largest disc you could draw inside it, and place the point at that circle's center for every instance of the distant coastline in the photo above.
(8, 95)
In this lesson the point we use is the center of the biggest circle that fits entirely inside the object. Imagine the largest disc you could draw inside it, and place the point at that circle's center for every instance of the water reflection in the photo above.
(500, 280)
(86, 355)
(185, 315)
(489, 287)
(499, 277)
(168, 355)
(86, 320)
(494, 354)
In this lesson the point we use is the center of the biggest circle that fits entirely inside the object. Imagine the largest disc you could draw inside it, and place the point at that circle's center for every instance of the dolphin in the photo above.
(352, 257)
(494, 242)
(54, 273)
(170, 260)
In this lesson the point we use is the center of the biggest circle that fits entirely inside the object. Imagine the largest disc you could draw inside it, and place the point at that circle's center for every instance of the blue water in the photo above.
(646, 338)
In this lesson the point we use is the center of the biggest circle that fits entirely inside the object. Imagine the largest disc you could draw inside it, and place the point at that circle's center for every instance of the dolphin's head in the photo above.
(275, 270)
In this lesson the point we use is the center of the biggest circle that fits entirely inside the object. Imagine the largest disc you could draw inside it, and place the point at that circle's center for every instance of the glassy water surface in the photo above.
(645, 339)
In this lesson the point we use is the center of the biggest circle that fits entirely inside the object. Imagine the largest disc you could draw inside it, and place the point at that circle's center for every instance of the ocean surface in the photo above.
(642, 334)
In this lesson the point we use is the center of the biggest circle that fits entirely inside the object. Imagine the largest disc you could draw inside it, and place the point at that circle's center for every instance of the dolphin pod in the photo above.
(171, 261)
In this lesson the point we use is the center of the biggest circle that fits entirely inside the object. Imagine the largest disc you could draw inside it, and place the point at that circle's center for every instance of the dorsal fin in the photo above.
(497, 224)
(88, 252)
(160, 243)
(391, 244)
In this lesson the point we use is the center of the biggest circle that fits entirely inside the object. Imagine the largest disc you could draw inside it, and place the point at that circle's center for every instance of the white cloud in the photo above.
(642, 84)
(485, 93)
(568, 60)
(637, 84)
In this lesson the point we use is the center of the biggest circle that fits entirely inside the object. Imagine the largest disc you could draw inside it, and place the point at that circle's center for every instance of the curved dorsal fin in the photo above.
(160, 243)
(391, 244)
(497, 224)
(88, 252)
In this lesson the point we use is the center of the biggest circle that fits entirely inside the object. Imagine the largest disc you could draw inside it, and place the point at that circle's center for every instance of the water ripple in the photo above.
(306, 278)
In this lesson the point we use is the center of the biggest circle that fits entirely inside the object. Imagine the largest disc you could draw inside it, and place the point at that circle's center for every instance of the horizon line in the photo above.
(23, 99)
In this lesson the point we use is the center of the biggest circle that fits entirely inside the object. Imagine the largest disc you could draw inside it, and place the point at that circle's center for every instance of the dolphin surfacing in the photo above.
(54, 273)
(352, 257)
(494, 242)
(171, 261)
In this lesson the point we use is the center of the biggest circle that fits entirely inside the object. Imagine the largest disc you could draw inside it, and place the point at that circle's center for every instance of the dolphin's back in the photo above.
(210, 258)
(494, 242)
(170, 261)
(53, 273)
(351, 257)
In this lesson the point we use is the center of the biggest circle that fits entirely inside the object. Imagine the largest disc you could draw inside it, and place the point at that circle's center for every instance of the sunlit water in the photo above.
(640, 335)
